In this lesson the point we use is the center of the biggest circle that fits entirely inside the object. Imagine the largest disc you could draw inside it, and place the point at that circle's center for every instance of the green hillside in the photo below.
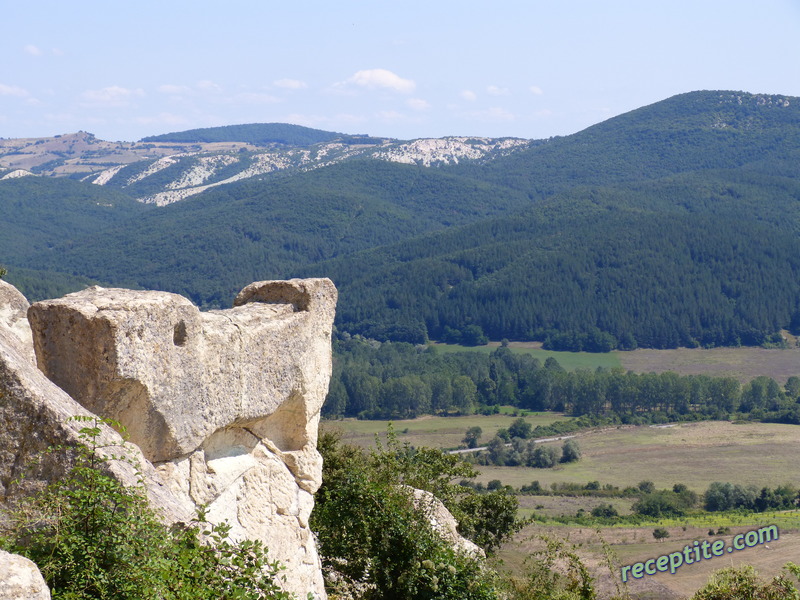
(688, 132)
(674, 224)
(688, 260)
(258, 134)
(210, 247)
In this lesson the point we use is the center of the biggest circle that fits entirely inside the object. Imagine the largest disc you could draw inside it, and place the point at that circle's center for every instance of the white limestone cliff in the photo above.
(223, 405)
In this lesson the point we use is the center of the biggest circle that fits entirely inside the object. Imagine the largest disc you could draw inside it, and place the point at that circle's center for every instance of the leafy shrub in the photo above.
(94, 538)
(376, 545)
(570, 451)
(605, 511)
(743, 582)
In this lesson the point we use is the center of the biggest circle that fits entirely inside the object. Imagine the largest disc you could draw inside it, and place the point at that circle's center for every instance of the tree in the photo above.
(465, 394)
(545, 457)
(520, 428)
(497, 451)
(605, 511)
(660, 533)
(646, 487)
(488, 519)
(472, 335)
(570, 451)
(792, 387)
(472, 436)
(663, 503)
(373, 538)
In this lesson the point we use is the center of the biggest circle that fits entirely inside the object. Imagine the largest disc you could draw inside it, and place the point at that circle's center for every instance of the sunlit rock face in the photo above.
(223, 405)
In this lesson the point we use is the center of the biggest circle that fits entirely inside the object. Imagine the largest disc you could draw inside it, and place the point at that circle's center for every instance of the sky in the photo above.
(411, 69)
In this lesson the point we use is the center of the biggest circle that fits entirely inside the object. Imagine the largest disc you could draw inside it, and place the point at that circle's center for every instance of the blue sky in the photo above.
(408, 69)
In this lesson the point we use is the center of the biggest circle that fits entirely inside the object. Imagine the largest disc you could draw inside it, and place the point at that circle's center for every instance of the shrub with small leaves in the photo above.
(94, 538)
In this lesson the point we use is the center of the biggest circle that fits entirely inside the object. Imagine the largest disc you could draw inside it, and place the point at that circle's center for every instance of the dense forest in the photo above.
(258, 134)
(674, 225)
(394, 380)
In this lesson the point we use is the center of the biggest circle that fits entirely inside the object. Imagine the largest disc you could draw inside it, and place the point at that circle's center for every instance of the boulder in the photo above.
(20, 579)
(443, 522)
(222, 406)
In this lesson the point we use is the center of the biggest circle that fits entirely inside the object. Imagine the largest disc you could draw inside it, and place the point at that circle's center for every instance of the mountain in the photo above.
(173, 167)
(258, 134)
(673, 224)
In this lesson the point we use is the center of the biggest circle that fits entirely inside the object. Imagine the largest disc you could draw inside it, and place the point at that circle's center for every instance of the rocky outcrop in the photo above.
(223, 405)
(443, 522)
(14, 319)
(20, 579)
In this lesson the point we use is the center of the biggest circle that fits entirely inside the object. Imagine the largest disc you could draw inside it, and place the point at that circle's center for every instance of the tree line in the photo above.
(393, 380)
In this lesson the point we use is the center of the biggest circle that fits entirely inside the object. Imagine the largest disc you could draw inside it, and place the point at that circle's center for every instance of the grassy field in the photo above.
(569, 360)
(694, 454)
(691, 453)
(630, 545)
(742, 363)
(434, 432)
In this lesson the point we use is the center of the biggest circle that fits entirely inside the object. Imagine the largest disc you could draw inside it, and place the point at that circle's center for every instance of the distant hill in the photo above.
(210, 247)
(674, 224)
(258, 134)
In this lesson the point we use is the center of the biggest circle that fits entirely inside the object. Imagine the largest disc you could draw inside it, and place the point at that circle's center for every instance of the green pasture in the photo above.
(569, 360)
(434, 432)
(695, 454)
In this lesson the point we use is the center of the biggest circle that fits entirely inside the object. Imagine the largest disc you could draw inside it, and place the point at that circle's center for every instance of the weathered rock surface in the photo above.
(224, 405)
(14, 318)
(443, 522)
(20, 579)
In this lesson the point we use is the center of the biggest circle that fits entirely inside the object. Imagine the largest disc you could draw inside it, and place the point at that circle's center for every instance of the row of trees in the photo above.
(396, 380)
(521, 452)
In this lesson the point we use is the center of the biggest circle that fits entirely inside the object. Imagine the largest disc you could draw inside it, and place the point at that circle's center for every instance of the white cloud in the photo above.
(391, 115)
(495, 113)
(380, 79)
(164, 118)
(208, 86)
(493, 90)
(290, 84)
(13, 90)
(418, 104)
(252, 98)
(469, 95)
(536, 90)
(112, 96)
(33, 50)
(174, 90)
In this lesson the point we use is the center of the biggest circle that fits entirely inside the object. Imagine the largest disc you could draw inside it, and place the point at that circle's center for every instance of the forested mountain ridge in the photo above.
(688, 132)
(675, 224)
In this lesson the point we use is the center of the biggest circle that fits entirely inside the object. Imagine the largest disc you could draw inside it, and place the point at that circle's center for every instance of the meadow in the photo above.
(743, 363)
(694, 454)
(434, 432)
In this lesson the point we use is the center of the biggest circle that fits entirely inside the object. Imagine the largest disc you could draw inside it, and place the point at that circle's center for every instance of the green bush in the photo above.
(376, 545)
(94, 538)
(743, 583)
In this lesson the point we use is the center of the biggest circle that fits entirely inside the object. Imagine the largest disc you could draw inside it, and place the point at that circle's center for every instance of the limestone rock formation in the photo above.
(14, 318)
(224, 405)
(444, 523)
(20, 579)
